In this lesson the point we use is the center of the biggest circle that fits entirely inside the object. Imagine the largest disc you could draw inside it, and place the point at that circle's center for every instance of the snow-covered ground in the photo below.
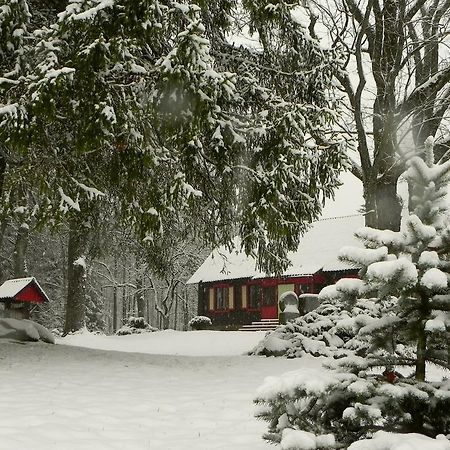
(171, 342)
(65, 397)
(159, 391)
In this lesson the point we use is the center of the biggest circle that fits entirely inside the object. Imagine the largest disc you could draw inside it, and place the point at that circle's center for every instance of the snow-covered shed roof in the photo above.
(318, 250)
(10, 288)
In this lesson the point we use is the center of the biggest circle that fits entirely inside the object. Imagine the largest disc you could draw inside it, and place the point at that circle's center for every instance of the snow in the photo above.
(9, 109)
(435, 325)
(434, 279)
(350, 285)
(318, 250)
(400, 270)
(85, 399)
(294, 439)
(55, 73)
(92, 12)
(24, 330)
(171, 342)
(364, 256)
(81, 262)
(91, 192)
(275, 344)
(390, 441)
(313, 380)
(429, 259)
(109, 113)
(67, 202)
(352, 413)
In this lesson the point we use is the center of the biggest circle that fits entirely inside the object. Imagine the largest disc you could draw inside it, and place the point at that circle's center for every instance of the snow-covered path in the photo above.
(63, 397)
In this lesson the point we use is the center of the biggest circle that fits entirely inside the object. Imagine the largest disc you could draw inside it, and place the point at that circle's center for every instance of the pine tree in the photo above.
(407, 273)
(149, 104)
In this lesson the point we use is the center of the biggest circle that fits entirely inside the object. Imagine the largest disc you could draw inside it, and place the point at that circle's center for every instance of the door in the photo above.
(269, 303)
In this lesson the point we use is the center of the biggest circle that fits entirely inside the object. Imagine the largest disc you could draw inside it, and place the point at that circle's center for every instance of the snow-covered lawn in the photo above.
(65, 397)
(171, 342)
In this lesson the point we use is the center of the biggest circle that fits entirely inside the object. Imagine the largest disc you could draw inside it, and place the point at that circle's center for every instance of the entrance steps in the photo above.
(262, 325)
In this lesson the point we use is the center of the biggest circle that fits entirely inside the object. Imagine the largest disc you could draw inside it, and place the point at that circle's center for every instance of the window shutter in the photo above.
(230, 298)
(211, 299)
(244, 297)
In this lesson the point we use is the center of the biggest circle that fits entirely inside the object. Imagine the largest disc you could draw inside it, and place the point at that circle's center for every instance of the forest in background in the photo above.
(119, 283)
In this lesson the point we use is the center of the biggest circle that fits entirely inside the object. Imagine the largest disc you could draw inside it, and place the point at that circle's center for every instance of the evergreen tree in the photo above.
(407, 272)
(149, 104)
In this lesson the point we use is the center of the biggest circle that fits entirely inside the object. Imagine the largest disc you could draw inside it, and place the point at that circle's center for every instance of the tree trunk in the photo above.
(115, 321)
(186, 311)
(175, 320)
(76, 279)
(140, 300)
(421, 354)
(383, 205)
(3, 227)
(124, 295)
(20, 251)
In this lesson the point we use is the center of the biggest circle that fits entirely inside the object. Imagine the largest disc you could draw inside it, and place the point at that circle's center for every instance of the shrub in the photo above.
(200, 323)
(329, 330)
(135, 325)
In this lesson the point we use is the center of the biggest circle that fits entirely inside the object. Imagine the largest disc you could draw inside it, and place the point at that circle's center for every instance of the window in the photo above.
(302, 288)
(222, 298)
(269, 296)
(253, 296)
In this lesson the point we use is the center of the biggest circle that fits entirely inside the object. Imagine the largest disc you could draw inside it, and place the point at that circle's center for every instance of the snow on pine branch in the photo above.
(363, 256)
(428, 259)
(67, 202)
(74, 9)
(415, 229)
(434, 280)
(400, 271)
(91, 192)
(418, 170)
(373, 237)
(351, 286)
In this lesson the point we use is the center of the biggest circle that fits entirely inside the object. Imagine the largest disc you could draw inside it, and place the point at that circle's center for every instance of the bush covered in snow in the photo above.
(407, 272)
(25, 330)
(330, 330)
(200, 323)
(135, 325)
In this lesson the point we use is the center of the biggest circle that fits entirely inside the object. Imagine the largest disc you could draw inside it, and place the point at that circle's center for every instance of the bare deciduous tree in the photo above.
(396, 79)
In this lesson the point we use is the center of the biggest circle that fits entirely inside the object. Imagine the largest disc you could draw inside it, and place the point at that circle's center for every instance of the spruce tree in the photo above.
(150, 105)
(406, 273)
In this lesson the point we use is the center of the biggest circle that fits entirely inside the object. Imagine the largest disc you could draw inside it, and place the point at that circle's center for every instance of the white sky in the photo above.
(349, 197)
(348, 200)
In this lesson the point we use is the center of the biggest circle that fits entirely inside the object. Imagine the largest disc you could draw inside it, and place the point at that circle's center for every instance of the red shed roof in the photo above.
(23, 290)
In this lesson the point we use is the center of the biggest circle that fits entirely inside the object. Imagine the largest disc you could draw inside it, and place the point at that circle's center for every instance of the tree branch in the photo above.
(421, 93)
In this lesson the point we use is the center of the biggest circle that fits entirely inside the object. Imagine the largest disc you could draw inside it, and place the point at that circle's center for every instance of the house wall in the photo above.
(238, 311)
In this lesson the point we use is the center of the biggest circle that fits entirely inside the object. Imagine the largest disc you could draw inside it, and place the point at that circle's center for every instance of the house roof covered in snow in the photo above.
(318, 251)
(11, 288)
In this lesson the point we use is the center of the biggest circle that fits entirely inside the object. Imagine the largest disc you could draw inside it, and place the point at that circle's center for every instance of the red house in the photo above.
(19, 295)
(232, 292)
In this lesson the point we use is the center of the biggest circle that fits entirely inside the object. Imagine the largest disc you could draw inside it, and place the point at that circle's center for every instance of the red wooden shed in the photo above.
(18, 296)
